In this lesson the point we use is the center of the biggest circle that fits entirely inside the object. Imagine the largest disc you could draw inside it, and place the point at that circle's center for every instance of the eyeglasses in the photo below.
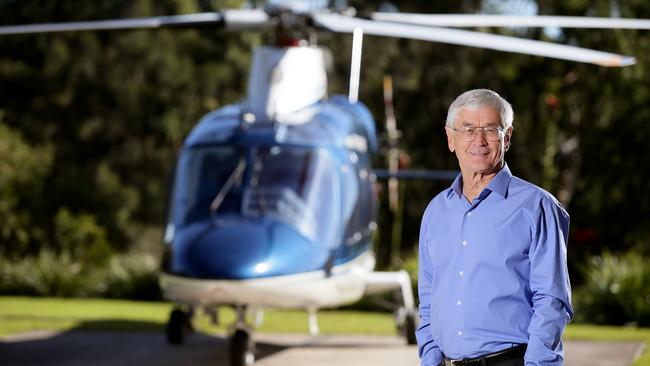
(469, 133)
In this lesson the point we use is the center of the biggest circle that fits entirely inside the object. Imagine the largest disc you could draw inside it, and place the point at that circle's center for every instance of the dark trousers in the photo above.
(517, 362)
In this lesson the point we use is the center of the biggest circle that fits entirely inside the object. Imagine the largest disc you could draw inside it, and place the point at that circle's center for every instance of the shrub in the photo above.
(46, 274)
(617, 291)
(81, 237)
(132, 276)
(126, 276)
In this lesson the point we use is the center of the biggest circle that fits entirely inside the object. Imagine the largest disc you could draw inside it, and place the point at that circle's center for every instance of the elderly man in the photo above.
(493, 282)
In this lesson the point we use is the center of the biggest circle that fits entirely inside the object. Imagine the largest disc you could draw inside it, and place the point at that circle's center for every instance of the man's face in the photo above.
(479, 155)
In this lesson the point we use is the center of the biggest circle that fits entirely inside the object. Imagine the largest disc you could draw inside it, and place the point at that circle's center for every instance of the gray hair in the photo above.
(477, 98)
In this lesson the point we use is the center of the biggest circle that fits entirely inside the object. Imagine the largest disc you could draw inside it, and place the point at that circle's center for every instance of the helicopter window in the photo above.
(361, 205)
(295, 185)
(288, 168)
(203, 171)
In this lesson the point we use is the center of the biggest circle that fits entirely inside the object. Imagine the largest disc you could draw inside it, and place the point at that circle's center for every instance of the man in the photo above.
(493, 282)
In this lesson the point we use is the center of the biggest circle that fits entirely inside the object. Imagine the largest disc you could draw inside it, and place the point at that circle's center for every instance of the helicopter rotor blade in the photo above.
(346, 24)
(240, 19)
(537, 21)
(237, 19)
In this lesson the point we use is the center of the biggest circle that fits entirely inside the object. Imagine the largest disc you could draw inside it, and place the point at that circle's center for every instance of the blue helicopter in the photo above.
(273, 203)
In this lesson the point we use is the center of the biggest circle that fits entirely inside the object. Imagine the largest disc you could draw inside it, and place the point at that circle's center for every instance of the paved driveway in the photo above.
(120, 348)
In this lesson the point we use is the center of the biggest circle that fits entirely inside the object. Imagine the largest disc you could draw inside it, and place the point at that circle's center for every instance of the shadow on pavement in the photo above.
(118, 342)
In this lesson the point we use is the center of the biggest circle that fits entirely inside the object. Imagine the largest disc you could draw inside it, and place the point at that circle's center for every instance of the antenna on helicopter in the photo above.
(355, 64)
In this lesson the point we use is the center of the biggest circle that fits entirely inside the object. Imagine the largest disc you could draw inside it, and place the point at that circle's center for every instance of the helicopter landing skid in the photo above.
(406, 318)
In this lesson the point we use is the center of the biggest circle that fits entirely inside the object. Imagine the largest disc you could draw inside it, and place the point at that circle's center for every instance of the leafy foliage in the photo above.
(617, 290)
(131, 276)
(113, 109)
(81, 238)
(91, 122)
(47, 274)
(22, 172)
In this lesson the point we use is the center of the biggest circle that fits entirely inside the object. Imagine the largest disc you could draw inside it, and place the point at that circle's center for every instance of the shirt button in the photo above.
(460, 333)
(461, 273)
(464, 243)
(459, 302)
(469, 214)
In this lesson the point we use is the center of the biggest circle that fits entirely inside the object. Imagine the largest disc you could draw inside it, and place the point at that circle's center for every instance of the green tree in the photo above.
(106, 112)
(22, 169)
(113, 106)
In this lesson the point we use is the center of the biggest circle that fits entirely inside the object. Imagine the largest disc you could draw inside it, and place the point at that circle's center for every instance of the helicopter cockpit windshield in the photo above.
(296, 186)
(293, 185)
(203, 173)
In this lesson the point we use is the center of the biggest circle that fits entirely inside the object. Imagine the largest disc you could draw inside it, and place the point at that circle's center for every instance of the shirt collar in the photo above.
(456, 186)
(499, 184)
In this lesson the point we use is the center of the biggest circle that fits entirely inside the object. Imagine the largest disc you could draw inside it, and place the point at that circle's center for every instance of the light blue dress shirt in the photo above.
(493, 273)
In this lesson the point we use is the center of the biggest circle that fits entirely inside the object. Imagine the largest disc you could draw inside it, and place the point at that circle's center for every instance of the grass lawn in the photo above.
(21, 314)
